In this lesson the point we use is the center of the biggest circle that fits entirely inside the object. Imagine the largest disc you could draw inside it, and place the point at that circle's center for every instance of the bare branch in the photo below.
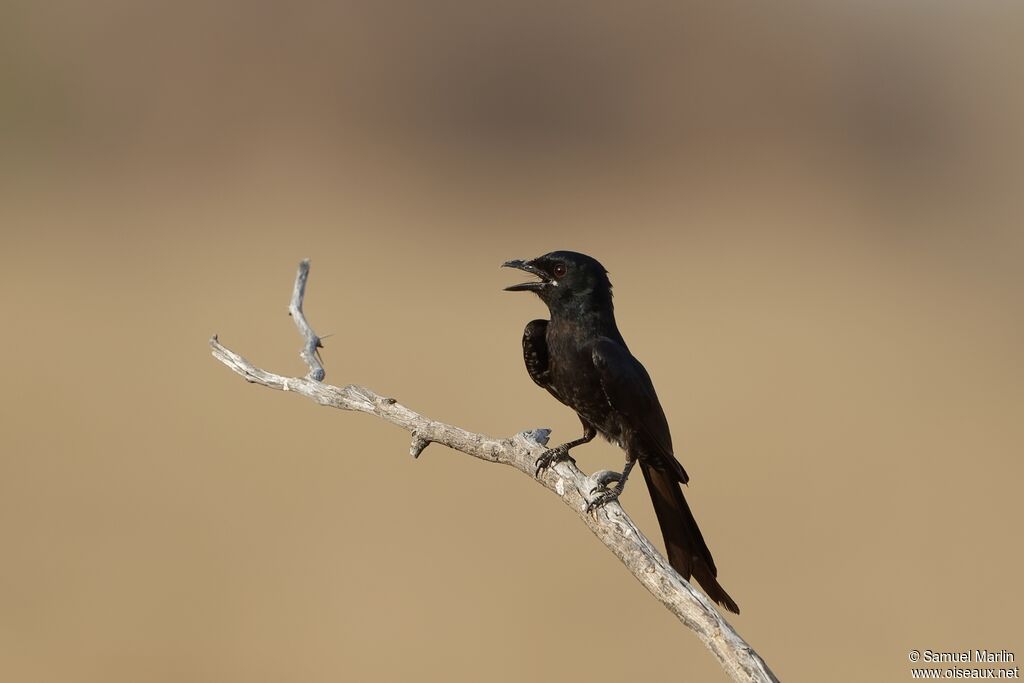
(609, 523)
(309, 351)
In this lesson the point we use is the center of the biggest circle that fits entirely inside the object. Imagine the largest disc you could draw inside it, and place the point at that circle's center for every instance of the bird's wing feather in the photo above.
(630, 392)
(535, 354)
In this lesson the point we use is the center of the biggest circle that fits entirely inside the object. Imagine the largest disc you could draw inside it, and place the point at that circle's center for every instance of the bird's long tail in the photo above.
(687, 552)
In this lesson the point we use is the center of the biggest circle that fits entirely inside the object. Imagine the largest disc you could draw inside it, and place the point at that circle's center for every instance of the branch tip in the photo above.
(537, 437)
(308, 353)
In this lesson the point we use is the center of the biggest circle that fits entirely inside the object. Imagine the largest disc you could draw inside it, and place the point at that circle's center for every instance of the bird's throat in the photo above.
(586, 319)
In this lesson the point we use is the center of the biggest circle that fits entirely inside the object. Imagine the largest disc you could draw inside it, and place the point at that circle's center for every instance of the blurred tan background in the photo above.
(812, 214)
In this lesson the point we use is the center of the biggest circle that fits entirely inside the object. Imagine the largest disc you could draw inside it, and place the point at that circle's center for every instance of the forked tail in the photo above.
(687, 552)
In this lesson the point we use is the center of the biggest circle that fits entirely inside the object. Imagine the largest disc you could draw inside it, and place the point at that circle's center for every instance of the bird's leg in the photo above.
(603, 479)
(559, 453)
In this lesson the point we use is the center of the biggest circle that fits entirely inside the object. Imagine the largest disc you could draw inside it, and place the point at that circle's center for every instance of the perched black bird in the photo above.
(581, 359)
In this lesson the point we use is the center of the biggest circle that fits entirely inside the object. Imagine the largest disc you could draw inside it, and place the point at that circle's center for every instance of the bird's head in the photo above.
(567, 279)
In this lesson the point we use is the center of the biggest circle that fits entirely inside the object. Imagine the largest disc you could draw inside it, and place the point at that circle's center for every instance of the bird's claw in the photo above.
(602, 478)
(605, 495)
(551, 457)
(603, 498)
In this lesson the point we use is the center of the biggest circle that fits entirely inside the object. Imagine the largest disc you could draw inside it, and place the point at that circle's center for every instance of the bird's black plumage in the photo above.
(580, 357)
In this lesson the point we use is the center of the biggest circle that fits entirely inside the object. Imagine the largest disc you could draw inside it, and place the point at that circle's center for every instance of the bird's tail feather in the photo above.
(687, 552)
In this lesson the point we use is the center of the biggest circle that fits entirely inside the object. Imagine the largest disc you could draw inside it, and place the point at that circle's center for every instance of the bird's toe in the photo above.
(602, 478)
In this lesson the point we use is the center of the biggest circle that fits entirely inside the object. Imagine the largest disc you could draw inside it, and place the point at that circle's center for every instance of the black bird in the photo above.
(579, 356)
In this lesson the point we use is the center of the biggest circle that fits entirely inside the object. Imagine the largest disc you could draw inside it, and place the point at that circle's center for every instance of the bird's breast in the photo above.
(577, 380)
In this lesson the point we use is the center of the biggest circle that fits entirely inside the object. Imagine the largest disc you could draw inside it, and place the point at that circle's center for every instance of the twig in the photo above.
(609, 523)
(309, 350)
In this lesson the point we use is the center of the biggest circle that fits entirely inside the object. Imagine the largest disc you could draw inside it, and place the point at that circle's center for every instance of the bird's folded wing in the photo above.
(629, 390)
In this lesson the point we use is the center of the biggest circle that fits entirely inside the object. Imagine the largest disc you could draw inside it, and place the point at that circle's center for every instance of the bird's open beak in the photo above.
(529, 268)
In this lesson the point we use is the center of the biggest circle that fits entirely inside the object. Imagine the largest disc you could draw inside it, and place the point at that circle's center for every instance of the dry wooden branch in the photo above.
(309, 350)
(610, 523)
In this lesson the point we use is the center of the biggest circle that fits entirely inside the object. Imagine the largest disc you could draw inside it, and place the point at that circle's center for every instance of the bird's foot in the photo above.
(603, 498)
(551, 457)
(602, 478)
(605, 495)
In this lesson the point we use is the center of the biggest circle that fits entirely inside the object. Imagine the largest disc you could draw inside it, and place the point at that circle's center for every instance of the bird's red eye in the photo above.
(559, 269)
